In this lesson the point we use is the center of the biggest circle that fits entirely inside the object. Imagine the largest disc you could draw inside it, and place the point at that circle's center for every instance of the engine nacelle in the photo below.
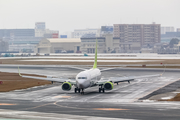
(108, 86)
(66, 86)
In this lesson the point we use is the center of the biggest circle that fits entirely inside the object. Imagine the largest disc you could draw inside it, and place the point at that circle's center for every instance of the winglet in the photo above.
(19, 72)
(95, 59)
(164, 70)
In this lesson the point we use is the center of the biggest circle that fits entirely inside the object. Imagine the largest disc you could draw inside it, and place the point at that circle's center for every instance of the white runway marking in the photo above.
(48, 116)
(123, 92)
(92, 60)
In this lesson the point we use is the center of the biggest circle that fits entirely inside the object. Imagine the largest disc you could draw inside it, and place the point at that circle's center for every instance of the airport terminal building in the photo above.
(57, 45)
(106, 44)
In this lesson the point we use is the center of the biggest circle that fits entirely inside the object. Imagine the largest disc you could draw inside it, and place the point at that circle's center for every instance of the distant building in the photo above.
(67, 34)
(41, 31)
(140, 34)
(106, 44)
(166, 38)
(4, 46)
(178, 29)
(166, 29)
(40, 25)
(11, 33)
(171, 34)
(88, 35)
(54, 45)
(14, 37)
(106, 29)
(19, 39)
(78, 33)
(109, 44)
(63, 36)
(23, 40)
(24, 48)
(47, 33)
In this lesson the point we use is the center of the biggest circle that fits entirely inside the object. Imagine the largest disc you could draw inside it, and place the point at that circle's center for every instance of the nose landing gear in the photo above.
(82, 92)
(79, 90)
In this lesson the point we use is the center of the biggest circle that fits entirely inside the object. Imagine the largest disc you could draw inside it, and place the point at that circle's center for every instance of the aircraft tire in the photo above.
(103, 90)
(75, 90)
(99, 90)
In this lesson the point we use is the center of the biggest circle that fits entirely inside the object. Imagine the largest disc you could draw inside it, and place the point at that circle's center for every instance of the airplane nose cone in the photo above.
(80, 84)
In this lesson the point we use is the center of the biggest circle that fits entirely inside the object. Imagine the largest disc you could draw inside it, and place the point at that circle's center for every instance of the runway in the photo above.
(121, 102)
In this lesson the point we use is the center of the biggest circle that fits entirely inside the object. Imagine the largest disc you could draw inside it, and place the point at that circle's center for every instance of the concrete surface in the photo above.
(121, 102)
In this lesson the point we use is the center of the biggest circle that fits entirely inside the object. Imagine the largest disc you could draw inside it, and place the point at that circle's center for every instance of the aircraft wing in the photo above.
(125, 79)
(76, 68)
(106, 69)
(49, 78)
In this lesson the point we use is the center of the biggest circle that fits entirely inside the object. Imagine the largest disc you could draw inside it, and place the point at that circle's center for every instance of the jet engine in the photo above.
(108, 86)
(66, 86)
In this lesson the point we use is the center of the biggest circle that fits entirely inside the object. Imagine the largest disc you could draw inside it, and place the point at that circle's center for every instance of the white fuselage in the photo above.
(88, 78)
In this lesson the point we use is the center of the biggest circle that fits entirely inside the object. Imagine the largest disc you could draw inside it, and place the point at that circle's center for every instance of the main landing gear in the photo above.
(79, 90)
(101, 89)
(76, 90)
(82, 91)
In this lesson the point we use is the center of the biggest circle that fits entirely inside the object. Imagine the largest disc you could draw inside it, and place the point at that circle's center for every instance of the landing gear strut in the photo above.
(101, 89)
(82, 91)
(76, 90)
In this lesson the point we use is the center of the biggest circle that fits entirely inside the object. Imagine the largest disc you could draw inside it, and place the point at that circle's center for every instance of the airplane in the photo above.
(90, 78)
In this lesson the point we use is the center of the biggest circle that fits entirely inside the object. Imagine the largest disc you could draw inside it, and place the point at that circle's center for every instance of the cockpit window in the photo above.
(82, 77)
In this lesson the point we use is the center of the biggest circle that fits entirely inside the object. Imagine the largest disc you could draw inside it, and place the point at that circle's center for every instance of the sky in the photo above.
(67, 15)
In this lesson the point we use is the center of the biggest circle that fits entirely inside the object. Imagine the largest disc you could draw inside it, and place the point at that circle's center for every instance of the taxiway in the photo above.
(121, 102)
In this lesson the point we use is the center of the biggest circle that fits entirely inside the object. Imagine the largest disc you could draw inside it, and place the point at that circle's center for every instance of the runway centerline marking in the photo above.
(109, 109)
(6, 104)
(37, 106)
(61, 97)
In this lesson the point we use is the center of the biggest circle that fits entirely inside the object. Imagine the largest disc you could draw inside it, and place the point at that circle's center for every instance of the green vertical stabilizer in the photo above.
(95, 59)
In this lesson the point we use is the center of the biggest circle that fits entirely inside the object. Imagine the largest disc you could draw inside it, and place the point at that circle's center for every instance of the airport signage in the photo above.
(63, 36)
(55, 35)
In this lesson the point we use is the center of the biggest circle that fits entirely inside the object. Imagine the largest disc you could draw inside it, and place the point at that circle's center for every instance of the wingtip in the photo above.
(19, 72)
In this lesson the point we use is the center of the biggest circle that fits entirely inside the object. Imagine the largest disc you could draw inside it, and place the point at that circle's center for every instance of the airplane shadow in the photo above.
(87, 93)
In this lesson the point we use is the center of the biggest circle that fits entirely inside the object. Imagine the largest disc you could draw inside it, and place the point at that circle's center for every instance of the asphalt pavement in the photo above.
(123, 102)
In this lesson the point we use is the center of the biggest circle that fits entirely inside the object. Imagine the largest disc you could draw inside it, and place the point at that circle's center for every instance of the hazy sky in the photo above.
(67, 15)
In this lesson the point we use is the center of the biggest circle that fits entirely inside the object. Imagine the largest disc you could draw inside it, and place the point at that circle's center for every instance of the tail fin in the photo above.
(95, 59)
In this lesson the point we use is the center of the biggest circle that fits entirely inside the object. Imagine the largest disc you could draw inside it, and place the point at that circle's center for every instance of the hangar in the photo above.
(57, 45)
